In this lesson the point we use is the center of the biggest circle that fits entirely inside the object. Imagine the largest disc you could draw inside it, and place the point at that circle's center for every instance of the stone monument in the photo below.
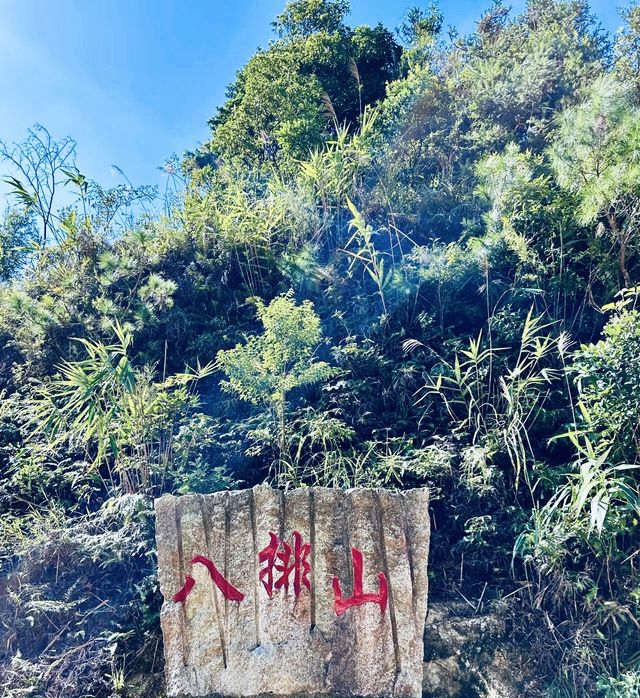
(310, 592)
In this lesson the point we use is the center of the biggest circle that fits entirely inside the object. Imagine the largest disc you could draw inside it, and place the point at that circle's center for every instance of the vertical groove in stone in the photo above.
(227, 548)
(282, 515)
(387, 573)
(410, 551)
(216, 600)
(182, 577)
(256, 572)
(312, 542)
(347, 515)
(418, 527)
(182, 571)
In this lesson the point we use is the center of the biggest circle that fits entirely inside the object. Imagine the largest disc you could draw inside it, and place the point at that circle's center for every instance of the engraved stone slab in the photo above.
(311, 592)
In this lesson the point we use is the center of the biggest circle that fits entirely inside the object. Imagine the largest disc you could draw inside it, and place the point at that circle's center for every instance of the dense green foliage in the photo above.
(440, 238)
(275, 110)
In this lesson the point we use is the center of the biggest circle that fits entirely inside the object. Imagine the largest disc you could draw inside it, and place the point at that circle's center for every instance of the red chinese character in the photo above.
(280, 560)
(341, 604)
(227, 589)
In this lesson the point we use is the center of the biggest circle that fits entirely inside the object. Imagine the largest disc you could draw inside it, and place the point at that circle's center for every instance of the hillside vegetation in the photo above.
(403, 258)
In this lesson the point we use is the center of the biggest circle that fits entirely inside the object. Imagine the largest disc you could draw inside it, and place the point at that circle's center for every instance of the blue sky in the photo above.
(133, 81)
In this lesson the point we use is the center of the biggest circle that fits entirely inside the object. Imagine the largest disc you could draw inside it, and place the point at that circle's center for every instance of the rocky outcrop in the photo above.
(468, 655)
(313, 592)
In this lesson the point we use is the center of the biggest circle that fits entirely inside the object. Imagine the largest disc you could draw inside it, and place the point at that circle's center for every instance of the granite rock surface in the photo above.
(287, 636)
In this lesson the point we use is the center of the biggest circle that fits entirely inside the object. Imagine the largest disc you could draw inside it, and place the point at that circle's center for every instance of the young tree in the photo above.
(268, 366)
(596, 155)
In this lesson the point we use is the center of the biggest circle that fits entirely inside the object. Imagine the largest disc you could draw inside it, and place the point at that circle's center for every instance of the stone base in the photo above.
(298, 641)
